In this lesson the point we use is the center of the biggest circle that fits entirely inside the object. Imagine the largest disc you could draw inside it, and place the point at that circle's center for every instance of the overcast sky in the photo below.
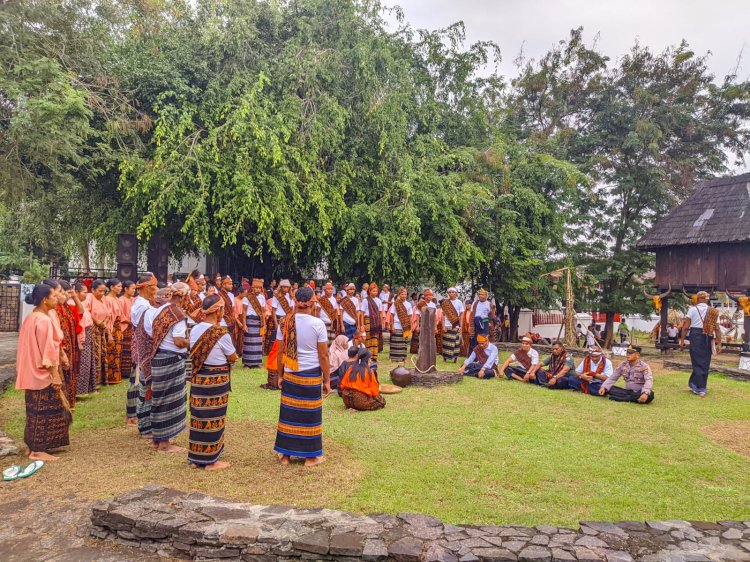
(719, 26)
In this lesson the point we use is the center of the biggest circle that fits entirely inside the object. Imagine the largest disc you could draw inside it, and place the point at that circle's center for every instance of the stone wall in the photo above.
(194, 526)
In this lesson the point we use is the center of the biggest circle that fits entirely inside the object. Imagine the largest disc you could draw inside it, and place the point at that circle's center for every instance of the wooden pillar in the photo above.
(663, 338)
(426, 360)
(746, 337)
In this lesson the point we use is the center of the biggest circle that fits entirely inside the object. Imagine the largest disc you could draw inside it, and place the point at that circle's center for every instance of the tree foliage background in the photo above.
(299, 133)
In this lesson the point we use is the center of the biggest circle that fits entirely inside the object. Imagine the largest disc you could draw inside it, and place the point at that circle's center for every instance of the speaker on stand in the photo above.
(158, 257)
(127, 257)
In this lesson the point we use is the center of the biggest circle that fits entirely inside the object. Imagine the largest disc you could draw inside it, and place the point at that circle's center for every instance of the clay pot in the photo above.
(401, 376)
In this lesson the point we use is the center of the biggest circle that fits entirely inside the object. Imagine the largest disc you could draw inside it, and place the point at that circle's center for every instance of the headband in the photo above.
(150, 283)
(216, 307)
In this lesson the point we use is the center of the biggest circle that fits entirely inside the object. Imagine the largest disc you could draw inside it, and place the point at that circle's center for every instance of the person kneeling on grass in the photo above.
(528, 363)
(482, 362)
(359, 384)
(559, 364)
(638, 379)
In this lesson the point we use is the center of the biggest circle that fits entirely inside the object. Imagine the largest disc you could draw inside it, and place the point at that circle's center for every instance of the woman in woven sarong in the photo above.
(38, 374)
(69, 313)
(370, 318)
(255, 321)
(126, 327)
(165, 379)
(114, 340)
(213, 352)
(303, 367)
(359, 385)
(401, 319)
(100, 313)
(86, 382)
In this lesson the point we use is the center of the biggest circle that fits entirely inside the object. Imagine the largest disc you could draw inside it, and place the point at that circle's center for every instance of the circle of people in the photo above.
(87, 334)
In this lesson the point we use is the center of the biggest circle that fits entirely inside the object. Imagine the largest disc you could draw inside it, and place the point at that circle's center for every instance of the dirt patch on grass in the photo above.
(106, 462)
(731, 435)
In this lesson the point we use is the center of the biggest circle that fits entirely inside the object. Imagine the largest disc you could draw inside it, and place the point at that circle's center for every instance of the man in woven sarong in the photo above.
(527, 359)
(349, 307)
(305, 380)
(400, 318)
(329, 311)
(452, 308)
(135, 412)
(701, 325)
(165, 378)
(559, 364)
(252, 348)
(482, 313)
(482, 362)
(371, 320)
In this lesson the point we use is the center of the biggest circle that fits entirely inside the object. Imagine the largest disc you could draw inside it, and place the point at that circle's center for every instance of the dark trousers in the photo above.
(622, 395)
(510, 371)
(472, 370)
(700, 358)
(481, 326)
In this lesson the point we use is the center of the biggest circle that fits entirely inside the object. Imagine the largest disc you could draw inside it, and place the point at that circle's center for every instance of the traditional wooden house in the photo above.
(704, 244)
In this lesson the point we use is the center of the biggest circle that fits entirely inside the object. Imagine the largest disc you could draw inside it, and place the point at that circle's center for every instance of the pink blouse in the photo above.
(100, 310)
(37, 350)
(126, 303)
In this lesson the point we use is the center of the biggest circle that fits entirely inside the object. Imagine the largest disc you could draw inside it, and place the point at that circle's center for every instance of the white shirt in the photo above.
(590, 339)
(696, 314)
(334, 304)
(348, 319)
(363, 294)
(431, 304)
(178, 330)
(365, 306)
(140, 305)
(491, 357)
(384, 298)
(533, 354)
(250, 309)
(482, 310)
(673, 332)
(459, 306)
(594, 366)
(223, 348)
(396, 322)
(277, 306)
(310, 332)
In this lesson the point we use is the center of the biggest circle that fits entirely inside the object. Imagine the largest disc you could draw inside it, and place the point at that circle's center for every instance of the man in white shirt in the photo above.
(146, 292)
(401, 319)
(482, 312)
(528, 362)
(370, 317)
(252, 345)
(482, 361)
(329, 311)
(282, 302)
(349, 307)
(590, 373)
(702, 325)
(452, 311)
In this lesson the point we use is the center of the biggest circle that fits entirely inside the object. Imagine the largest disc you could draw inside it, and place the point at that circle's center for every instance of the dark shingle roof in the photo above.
(718, 211)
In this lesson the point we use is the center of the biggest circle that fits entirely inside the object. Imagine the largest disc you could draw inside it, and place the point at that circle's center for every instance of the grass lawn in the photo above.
(476, 452)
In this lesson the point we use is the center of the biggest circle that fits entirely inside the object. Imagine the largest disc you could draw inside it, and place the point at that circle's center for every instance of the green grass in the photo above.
(501, 452)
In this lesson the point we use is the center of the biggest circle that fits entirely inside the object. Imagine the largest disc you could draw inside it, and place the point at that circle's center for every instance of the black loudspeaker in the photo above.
(127, 257)
(158, 257)
(127, 248)
(127, 272)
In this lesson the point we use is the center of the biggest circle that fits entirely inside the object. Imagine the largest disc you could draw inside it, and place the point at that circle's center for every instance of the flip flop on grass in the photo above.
(11, 473)
(30, 469)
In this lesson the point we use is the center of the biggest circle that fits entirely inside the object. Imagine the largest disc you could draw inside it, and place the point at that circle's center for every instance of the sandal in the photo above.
(30, 469)
(11, 473)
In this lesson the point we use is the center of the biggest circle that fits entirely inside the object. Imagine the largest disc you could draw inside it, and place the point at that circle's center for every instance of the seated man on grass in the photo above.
(591, 372)
(638, 379)
(559, 364)
(528, 363)
(483, 359)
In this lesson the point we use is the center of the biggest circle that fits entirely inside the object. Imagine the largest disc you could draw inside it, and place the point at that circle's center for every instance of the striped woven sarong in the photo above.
(330, 332)
(143, 410)
(450, 344)
(169, 394)
(398, 346)
(209, 397)
(372, 342)
(300, 429)
(46, 427)
(86, 382)
(252, 351)
(188, 359)
(414, 346)
(131, 401)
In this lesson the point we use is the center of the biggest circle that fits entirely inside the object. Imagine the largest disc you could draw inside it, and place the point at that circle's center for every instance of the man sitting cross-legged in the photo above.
(559, 364)
(638, 379)
(483, 359)
(528, 363)
(590, 373)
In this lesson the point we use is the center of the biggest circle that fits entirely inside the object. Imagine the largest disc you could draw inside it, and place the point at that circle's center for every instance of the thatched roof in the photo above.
(718, 211)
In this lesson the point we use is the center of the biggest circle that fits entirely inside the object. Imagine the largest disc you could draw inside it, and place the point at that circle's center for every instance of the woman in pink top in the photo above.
(126, 304)
(86, 382)
(114, 338)
(100, 332)
(37, 364)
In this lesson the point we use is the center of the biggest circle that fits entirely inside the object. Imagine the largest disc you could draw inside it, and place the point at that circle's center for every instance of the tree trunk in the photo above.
(86, 257)
(515, 312)
(609, 325)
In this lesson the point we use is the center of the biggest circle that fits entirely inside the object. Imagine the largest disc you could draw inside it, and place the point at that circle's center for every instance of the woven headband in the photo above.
(216, 307)
(151, 282)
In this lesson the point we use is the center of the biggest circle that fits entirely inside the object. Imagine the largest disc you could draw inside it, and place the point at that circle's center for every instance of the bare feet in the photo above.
(284, 459)
(154, 445)
(218, 465)
(167, 447)
(147, 436)
(314, 462)
(131, 422)
(351, 410)
(40, 456)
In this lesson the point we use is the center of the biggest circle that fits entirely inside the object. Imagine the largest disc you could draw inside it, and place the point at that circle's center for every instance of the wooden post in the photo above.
(663, 338)
(426, 360)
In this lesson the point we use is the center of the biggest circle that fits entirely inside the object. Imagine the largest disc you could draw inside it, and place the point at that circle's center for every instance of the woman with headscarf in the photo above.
(337, 354)
(303, 368)
(359, 385)
(39, 375)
